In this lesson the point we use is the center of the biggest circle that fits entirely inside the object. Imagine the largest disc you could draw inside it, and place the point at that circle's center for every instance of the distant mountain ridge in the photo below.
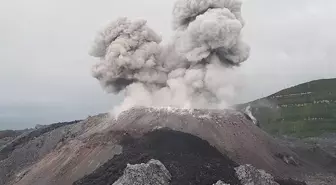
(305, 110)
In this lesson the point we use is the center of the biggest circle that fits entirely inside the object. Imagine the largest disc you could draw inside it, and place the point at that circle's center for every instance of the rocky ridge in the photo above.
(76, 153)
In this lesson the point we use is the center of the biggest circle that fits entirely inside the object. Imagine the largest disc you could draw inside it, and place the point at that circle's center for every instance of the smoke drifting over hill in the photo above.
(191, 71)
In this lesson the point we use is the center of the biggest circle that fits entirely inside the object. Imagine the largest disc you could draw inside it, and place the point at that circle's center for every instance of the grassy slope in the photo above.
(304, 110)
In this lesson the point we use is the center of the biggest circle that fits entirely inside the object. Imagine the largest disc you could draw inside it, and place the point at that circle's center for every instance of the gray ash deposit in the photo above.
(195, 146)
(189, 159)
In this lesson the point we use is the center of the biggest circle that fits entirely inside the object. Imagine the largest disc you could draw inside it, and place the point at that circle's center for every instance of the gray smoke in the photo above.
(192, 71)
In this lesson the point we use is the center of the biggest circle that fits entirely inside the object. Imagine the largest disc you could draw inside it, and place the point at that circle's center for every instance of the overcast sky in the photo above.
(45, 69)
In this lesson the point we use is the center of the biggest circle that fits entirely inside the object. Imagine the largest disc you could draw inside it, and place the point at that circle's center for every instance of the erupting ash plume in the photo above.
(192, 71)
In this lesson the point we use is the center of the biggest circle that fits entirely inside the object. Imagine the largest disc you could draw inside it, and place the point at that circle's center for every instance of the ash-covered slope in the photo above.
(7, 136)
(226, 138)
(227, 130)
(41, 149)
(189, 159)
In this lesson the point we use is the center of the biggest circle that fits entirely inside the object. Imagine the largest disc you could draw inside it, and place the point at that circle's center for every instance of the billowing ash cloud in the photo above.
(128, 52)
(192, 71)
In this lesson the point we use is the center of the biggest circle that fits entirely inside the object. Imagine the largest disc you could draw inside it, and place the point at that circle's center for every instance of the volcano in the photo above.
(196, 146)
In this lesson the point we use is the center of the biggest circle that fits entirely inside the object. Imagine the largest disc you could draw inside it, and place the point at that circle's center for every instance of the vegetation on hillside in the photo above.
(304, 110)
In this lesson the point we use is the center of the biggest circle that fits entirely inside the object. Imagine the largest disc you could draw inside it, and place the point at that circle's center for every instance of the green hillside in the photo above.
(304, 110)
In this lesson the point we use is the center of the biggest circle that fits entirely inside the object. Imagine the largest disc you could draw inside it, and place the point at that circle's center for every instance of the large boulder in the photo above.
(151, 173)
(248, 174)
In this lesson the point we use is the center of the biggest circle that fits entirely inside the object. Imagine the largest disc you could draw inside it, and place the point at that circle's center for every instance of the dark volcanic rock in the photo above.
(9, 133)
(7, 136)
(60, 156)
(250, 175)
(28, 148)
(227, 130)
(289, 182)
(65, 154)
(220, 183)
(189, 159)
(28, 136)
(151, 173)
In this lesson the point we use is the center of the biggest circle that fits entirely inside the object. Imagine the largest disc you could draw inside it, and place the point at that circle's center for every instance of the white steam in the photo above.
(193, 71)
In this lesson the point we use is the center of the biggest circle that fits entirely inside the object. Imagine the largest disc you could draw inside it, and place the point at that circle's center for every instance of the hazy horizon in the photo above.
(45, 68)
